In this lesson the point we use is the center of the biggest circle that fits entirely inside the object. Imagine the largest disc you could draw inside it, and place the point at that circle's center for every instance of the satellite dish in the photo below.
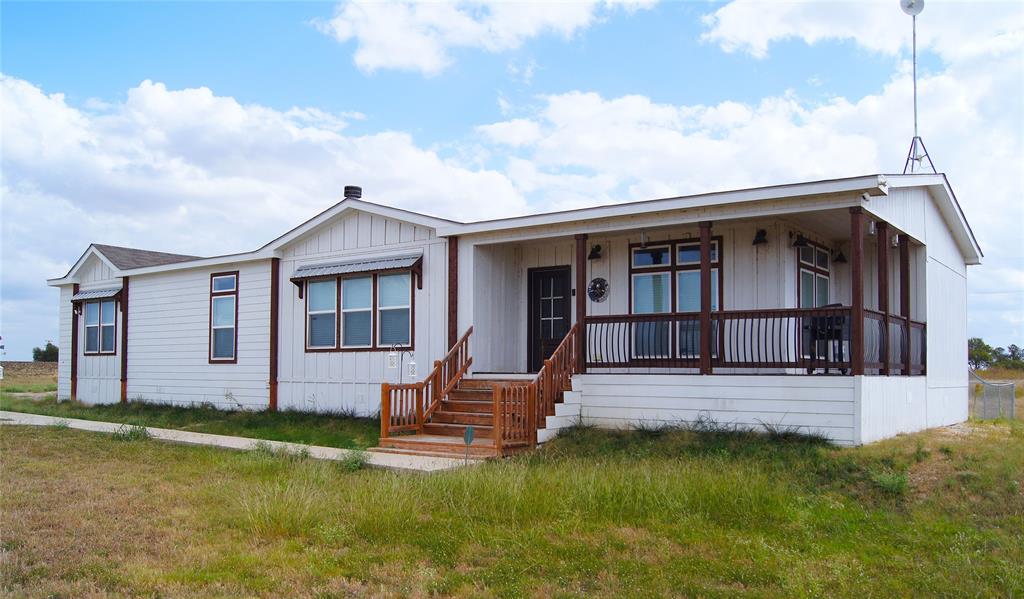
(912, 7)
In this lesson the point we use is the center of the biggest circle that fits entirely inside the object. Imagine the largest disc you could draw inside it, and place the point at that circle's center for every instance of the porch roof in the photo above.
(310, 271)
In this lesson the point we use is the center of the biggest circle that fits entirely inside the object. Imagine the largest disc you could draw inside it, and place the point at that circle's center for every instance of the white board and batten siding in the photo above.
(823, 405)
(350, 381)
(99, 377)
(169, 336)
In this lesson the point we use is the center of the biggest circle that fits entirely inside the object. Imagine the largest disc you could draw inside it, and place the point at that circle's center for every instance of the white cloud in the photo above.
(172, 170)
(419, 36)
(954, 30)
(517, 132)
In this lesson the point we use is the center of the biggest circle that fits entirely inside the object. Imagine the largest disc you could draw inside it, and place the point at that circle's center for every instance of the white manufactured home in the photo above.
(830, 307)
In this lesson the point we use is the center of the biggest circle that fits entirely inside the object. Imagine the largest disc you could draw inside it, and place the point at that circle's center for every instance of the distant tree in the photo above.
(45, 354)
(1015, 352)
(979, 353)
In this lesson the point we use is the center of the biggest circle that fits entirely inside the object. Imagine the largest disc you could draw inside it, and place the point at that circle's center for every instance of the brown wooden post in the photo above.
(74, 345)
(905, 297)
(439, 382)
(531, 412)
(882, 243)
(857, 290)
(419, 408)
(124, 339)
(496, 407)
(581, 302)
(705, 297)
(385, 409)
(275, 291)
(453, 291)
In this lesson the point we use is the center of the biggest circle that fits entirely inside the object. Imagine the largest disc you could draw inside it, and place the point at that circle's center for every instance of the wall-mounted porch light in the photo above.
(838, 257)
(800, 241)
(760, 237)
(595, 252)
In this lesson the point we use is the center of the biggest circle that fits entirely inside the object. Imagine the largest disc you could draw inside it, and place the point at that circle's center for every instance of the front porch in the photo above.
(747, 302)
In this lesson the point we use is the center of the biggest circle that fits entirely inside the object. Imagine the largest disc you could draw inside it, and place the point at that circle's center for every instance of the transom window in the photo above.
(224, 317)
(815, 276)
(367, 312)
(100, 327)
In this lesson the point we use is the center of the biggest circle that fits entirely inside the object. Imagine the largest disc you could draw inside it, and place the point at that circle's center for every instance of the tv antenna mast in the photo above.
(918, 153)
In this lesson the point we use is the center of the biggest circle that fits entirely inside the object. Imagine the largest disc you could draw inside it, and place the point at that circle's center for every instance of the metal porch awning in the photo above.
(94, 294)
(410, 262)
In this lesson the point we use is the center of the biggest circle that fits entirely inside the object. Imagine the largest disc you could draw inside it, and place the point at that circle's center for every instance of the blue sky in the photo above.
(121, 118)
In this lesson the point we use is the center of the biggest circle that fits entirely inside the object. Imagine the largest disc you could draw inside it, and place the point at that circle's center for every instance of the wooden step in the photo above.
(471, 394)
(451, 417)
(438, 444)
(442, 429)
(461, 454)
(474, 406)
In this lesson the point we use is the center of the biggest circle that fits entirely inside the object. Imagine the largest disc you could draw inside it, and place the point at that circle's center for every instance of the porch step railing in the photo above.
(406, 407)
(521, 408)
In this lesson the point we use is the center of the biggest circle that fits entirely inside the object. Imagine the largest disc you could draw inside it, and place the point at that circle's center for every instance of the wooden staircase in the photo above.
(431, 417)
(471, 402)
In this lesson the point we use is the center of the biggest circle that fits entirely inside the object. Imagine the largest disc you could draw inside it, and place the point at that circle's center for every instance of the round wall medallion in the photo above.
(597, 290)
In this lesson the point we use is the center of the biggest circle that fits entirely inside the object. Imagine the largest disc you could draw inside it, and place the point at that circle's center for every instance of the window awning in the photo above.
(94, 294)
(410, 262)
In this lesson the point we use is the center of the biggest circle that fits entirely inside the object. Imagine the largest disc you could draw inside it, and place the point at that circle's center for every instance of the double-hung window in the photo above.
(814, 276)
(357, 312)
(223, 317)
(100, 327)
(322, 314)
(394, 309)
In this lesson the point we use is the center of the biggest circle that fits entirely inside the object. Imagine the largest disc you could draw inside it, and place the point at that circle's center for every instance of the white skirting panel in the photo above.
(890, 405)
(824, 405)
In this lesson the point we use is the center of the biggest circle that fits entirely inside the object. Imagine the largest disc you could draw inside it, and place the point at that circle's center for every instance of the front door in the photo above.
(549, 312)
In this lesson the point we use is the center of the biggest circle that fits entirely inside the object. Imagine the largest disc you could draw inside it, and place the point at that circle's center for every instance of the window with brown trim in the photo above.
(224, 318)
(665, 278)
(813, 275)
(366, 312)
(100, 327)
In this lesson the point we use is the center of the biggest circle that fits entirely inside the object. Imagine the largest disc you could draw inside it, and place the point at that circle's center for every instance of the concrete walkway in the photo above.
(390, 461)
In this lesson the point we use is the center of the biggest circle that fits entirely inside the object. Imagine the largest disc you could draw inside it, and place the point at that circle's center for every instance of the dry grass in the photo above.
(29, 377)
(595, 514)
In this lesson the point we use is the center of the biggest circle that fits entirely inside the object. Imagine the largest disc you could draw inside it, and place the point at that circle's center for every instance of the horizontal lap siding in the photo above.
(168, 337)
(821, 405)
(350, 381)
(99, 377)
(64, 357)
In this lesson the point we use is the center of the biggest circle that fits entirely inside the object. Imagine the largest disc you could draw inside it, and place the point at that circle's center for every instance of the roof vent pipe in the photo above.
(353, 191)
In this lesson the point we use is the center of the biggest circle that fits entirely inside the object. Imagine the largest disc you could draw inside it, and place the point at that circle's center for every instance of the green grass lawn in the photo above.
(594, 513)
(297, 427)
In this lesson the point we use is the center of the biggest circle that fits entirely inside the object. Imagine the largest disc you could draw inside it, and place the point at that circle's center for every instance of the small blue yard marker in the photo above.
(467, 437)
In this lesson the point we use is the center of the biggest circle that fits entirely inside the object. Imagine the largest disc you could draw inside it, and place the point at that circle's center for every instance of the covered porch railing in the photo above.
(793, 340)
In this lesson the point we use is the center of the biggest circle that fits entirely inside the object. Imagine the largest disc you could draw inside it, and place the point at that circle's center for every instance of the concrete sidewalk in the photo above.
(390, 461)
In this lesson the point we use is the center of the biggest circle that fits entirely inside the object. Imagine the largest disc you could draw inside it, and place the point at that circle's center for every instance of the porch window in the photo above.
(394, 309)
(815, 275)
(100, 327)
(652, 257)
(357, 312)
(321, 313)
(652, 294)
(223, 317)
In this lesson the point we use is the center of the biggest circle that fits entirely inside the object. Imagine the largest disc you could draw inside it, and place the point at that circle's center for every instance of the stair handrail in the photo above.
(417, 401)
(527, 405)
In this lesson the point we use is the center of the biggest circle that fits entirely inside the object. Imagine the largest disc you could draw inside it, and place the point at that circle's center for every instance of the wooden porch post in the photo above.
(705, 297)
(905, 297)
(275, 302)
(882, 242)
(453, 291)
(581, 302)
(857, 290)
(74, 345)
(124, 339)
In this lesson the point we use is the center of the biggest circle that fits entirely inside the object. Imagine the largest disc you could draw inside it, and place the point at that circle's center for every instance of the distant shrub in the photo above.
(354, 460)
(45, 354)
